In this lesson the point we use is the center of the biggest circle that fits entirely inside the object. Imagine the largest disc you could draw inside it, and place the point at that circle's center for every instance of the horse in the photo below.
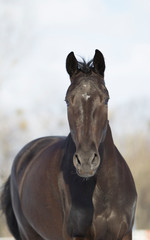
(77, 187)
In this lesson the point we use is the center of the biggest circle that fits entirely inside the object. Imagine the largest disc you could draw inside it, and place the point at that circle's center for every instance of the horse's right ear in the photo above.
(99, 62)
(71, 64)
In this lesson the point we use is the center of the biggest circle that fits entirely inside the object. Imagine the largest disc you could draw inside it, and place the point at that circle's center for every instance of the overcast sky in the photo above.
(37, 35)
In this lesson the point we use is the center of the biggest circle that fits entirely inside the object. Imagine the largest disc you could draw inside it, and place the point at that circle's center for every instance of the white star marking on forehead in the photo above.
(86, 96)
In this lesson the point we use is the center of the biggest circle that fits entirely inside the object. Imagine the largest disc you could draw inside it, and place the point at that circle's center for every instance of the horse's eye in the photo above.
(67, 102)
(106, 101)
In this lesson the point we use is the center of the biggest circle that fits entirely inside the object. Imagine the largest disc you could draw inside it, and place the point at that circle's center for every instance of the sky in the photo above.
(37, 35)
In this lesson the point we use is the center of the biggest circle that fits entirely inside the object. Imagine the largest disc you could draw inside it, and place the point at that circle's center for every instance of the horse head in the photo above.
(87, 98)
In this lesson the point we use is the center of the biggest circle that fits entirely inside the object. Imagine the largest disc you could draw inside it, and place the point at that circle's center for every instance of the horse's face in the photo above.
(87, 99)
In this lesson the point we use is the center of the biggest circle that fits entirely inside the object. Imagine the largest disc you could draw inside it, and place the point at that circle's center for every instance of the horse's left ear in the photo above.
(99, 62)
(71, 64)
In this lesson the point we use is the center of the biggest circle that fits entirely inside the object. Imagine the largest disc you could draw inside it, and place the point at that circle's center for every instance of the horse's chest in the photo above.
(112, 227)
(109, 222)
(80, 220)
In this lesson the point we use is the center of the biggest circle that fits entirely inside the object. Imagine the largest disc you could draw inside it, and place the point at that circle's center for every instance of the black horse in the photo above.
(75, 187)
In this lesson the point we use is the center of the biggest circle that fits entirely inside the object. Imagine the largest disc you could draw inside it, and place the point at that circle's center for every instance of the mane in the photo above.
(85, 67)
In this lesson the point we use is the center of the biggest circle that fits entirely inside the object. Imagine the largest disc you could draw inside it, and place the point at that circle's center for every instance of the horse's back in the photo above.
(34, 149)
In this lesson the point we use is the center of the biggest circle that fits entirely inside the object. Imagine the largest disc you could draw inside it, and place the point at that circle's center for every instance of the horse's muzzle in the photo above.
(86, 164)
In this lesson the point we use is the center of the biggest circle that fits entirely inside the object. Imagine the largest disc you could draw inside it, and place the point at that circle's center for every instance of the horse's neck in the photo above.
(108, 145)
(108, 171)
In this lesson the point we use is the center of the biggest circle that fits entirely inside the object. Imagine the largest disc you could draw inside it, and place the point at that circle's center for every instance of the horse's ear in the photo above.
(71, 64)
(99, 62)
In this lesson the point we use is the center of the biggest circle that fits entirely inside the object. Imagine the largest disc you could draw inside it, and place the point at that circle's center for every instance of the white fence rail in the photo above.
(137, 235)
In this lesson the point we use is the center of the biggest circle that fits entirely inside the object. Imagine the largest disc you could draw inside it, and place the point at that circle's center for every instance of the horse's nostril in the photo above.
(94, 160)
(77, 158)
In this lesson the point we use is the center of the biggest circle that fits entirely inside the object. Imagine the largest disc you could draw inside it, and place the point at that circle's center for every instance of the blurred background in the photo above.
(35, 38)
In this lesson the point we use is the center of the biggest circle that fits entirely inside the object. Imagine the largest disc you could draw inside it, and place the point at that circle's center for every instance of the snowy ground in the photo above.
(137, 235)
